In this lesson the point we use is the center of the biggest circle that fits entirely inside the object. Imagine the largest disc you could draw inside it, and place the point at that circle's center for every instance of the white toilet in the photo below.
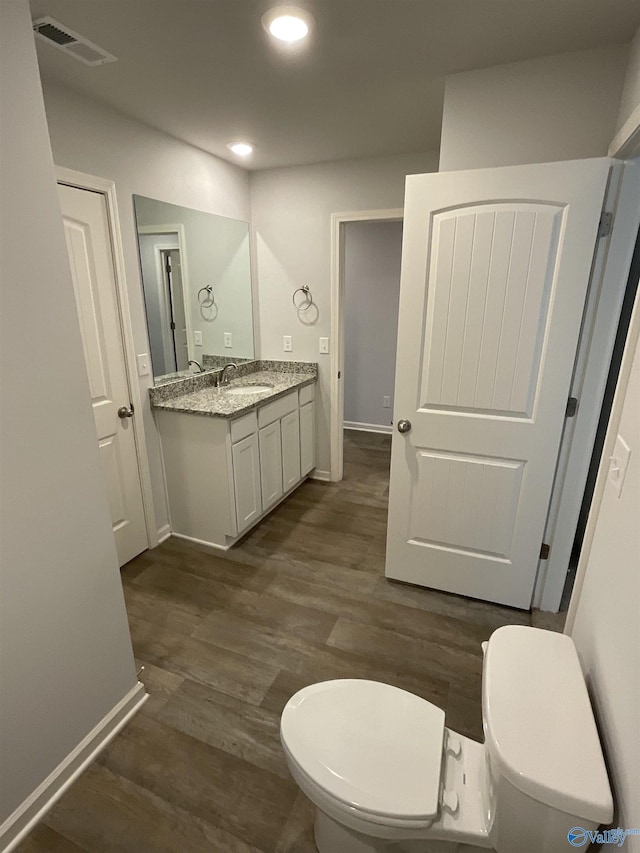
(385, 774)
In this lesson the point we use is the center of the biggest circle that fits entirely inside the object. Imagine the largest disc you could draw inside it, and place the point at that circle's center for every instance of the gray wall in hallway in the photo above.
(372, 290)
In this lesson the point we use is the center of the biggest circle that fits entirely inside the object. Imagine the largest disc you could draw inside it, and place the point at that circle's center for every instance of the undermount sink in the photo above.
(249, 389)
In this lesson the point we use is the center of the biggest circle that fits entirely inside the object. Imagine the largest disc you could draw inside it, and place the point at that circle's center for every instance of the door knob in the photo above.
(123, 412)
(404, 425)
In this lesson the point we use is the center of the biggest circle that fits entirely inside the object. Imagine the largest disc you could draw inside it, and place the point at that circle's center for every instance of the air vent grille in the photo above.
(52, 33)
(72, 43)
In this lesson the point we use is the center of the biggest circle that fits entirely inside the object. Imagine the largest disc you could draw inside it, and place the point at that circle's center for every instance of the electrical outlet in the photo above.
(324, 346)
(228, 337)
(197, 339)
(386, 402)
(287, 343)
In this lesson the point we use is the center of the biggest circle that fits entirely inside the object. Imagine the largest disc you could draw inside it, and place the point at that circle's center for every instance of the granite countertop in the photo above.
(216, 403)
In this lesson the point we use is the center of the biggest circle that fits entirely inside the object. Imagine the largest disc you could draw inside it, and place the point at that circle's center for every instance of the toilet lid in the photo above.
(372, 746)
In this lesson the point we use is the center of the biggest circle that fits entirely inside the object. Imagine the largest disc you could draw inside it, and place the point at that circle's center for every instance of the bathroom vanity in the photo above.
(232, 453)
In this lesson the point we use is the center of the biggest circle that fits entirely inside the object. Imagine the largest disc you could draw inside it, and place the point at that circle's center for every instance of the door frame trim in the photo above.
(610, 270)
(338, 223)
(107, 188)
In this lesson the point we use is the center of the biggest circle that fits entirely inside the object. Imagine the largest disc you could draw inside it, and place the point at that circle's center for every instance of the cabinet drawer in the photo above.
(278, 409)
(244, 426)
(307, 394)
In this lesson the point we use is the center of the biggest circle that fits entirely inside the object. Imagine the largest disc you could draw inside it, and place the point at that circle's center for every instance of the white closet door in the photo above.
(90, 255)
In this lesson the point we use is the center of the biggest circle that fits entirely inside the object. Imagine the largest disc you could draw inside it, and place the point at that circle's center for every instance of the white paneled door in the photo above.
(89, 246)
(495, 270)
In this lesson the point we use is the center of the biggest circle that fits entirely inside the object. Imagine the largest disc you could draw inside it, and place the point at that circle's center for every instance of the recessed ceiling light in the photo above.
(287, 23)
(243, 149)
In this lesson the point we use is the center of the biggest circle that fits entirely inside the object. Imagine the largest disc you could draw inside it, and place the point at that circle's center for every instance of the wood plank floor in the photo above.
(226, 640)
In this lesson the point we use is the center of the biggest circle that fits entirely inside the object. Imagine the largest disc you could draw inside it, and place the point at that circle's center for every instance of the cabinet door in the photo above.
(307, 439)
(246, 479)
(271, 464)
(290, 426)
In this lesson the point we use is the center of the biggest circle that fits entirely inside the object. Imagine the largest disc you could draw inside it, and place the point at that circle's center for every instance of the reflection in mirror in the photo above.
(196, 277)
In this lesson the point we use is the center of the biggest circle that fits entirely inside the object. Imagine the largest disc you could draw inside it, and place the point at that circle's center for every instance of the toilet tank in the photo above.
(544, 772)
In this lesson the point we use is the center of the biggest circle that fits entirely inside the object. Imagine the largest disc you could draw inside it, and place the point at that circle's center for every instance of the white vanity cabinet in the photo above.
(270, 442)
(307, 430)
(223, 475)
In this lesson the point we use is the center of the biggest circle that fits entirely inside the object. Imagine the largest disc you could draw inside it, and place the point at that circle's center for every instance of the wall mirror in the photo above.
(196, 276)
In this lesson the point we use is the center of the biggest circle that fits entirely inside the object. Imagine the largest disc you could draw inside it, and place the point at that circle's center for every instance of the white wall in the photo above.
(556, 108)
(291, 214)
(604, 622)
(66, 653)
(96, 140)
(629, 113)
(372, 254)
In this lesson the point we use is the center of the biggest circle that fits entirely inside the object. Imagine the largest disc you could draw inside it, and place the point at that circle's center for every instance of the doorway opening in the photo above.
(366, 251)
(371, 285)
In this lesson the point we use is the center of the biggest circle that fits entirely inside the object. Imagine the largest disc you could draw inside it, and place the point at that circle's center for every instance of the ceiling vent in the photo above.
(57, 35)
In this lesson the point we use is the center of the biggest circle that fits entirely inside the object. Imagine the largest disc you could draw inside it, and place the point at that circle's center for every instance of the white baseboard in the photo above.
(164, 533)
(32, 810)
(202, 541)
(324, 476)
(369, 427)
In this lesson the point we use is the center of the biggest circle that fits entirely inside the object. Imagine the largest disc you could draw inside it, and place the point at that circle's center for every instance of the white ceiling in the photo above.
(370, 82)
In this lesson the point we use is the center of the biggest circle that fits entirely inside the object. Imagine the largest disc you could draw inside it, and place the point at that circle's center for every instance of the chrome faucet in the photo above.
(197, 364)
(224, 376)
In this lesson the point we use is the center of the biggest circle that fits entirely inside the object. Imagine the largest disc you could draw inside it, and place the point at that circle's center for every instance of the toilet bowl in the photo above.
(386, 774)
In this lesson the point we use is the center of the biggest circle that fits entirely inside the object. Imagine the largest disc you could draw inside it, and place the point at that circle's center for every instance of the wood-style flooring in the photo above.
(225, 640)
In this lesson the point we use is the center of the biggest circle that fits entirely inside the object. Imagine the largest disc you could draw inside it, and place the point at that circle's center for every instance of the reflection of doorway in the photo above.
(164, 300)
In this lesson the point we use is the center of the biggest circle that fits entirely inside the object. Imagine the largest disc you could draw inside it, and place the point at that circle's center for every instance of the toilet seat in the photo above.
(371, 749)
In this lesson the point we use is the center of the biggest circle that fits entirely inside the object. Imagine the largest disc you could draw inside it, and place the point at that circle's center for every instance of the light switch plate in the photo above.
(287, 343)
(228, 338)
(618, 464)
(197, 339)
(324, 346)
(386, 402)
(144, 364)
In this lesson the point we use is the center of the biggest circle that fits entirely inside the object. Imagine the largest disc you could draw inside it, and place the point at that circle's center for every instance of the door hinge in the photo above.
(572, 407)
(339, 374)
(167, 264)
(172, 325)
(605, 224)
(545, 550)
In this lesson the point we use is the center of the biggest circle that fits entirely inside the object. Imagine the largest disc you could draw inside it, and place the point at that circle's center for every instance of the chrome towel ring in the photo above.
(307, 299)
(208, 300)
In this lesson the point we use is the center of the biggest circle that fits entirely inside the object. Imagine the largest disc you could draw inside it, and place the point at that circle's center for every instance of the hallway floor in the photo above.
(226, 640)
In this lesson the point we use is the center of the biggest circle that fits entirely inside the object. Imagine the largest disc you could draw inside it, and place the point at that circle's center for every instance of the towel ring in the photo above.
(209, 300)
(308, 298)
